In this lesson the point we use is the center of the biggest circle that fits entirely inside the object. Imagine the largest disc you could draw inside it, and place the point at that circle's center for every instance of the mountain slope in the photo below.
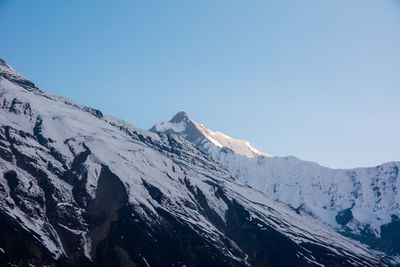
(200, 136)
(81, 188)
(363, 203)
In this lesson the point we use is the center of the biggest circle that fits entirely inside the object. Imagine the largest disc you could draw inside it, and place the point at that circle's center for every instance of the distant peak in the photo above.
(180, 116)
(200, 136)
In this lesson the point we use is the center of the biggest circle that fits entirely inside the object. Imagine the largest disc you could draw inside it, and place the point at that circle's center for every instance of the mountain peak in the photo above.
(179, 117)
(177, 124)
(200, 136)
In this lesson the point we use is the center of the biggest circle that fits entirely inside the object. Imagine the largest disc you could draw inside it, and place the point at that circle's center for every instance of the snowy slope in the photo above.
(199, 135)
(81, 188)
(355, 201)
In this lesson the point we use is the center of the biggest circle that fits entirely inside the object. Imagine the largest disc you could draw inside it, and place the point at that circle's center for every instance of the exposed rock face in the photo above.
(82, 189)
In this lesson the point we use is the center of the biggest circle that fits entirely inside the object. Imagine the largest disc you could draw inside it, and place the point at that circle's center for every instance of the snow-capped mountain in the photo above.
(199, 135)
(79, 188)
(363, 203)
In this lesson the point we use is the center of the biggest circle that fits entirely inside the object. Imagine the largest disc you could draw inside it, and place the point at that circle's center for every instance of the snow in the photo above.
(145, 261)
(240, 147)
(181, 123)
(322, 191)
(7, 69)
(93, 167)
(165, 125)
(120, 146)
(30, 223)
(371, 193)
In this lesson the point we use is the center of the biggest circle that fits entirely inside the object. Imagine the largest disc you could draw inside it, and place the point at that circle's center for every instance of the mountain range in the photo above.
(80, 188)
(362, 203)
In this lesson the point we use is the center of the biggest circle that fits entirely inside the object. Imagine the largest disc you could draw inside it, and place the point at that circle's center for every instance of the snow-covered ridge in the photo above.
(356, 201)
(84, 185)
(185, 126)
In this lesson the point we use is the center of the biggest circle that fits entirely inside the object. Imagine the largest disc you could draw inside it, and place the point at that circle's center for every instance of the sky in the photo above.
(319, 80)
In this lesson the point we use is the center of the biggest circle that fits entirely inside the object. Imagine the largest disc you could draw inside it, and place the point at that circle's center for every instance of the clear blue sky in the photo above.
(316, 79)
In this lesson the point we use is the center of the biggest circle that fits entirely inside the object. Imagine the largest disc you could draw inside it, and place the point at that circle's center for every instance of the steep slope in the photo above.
(202, 137)
(79, 188)
(363, 203)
